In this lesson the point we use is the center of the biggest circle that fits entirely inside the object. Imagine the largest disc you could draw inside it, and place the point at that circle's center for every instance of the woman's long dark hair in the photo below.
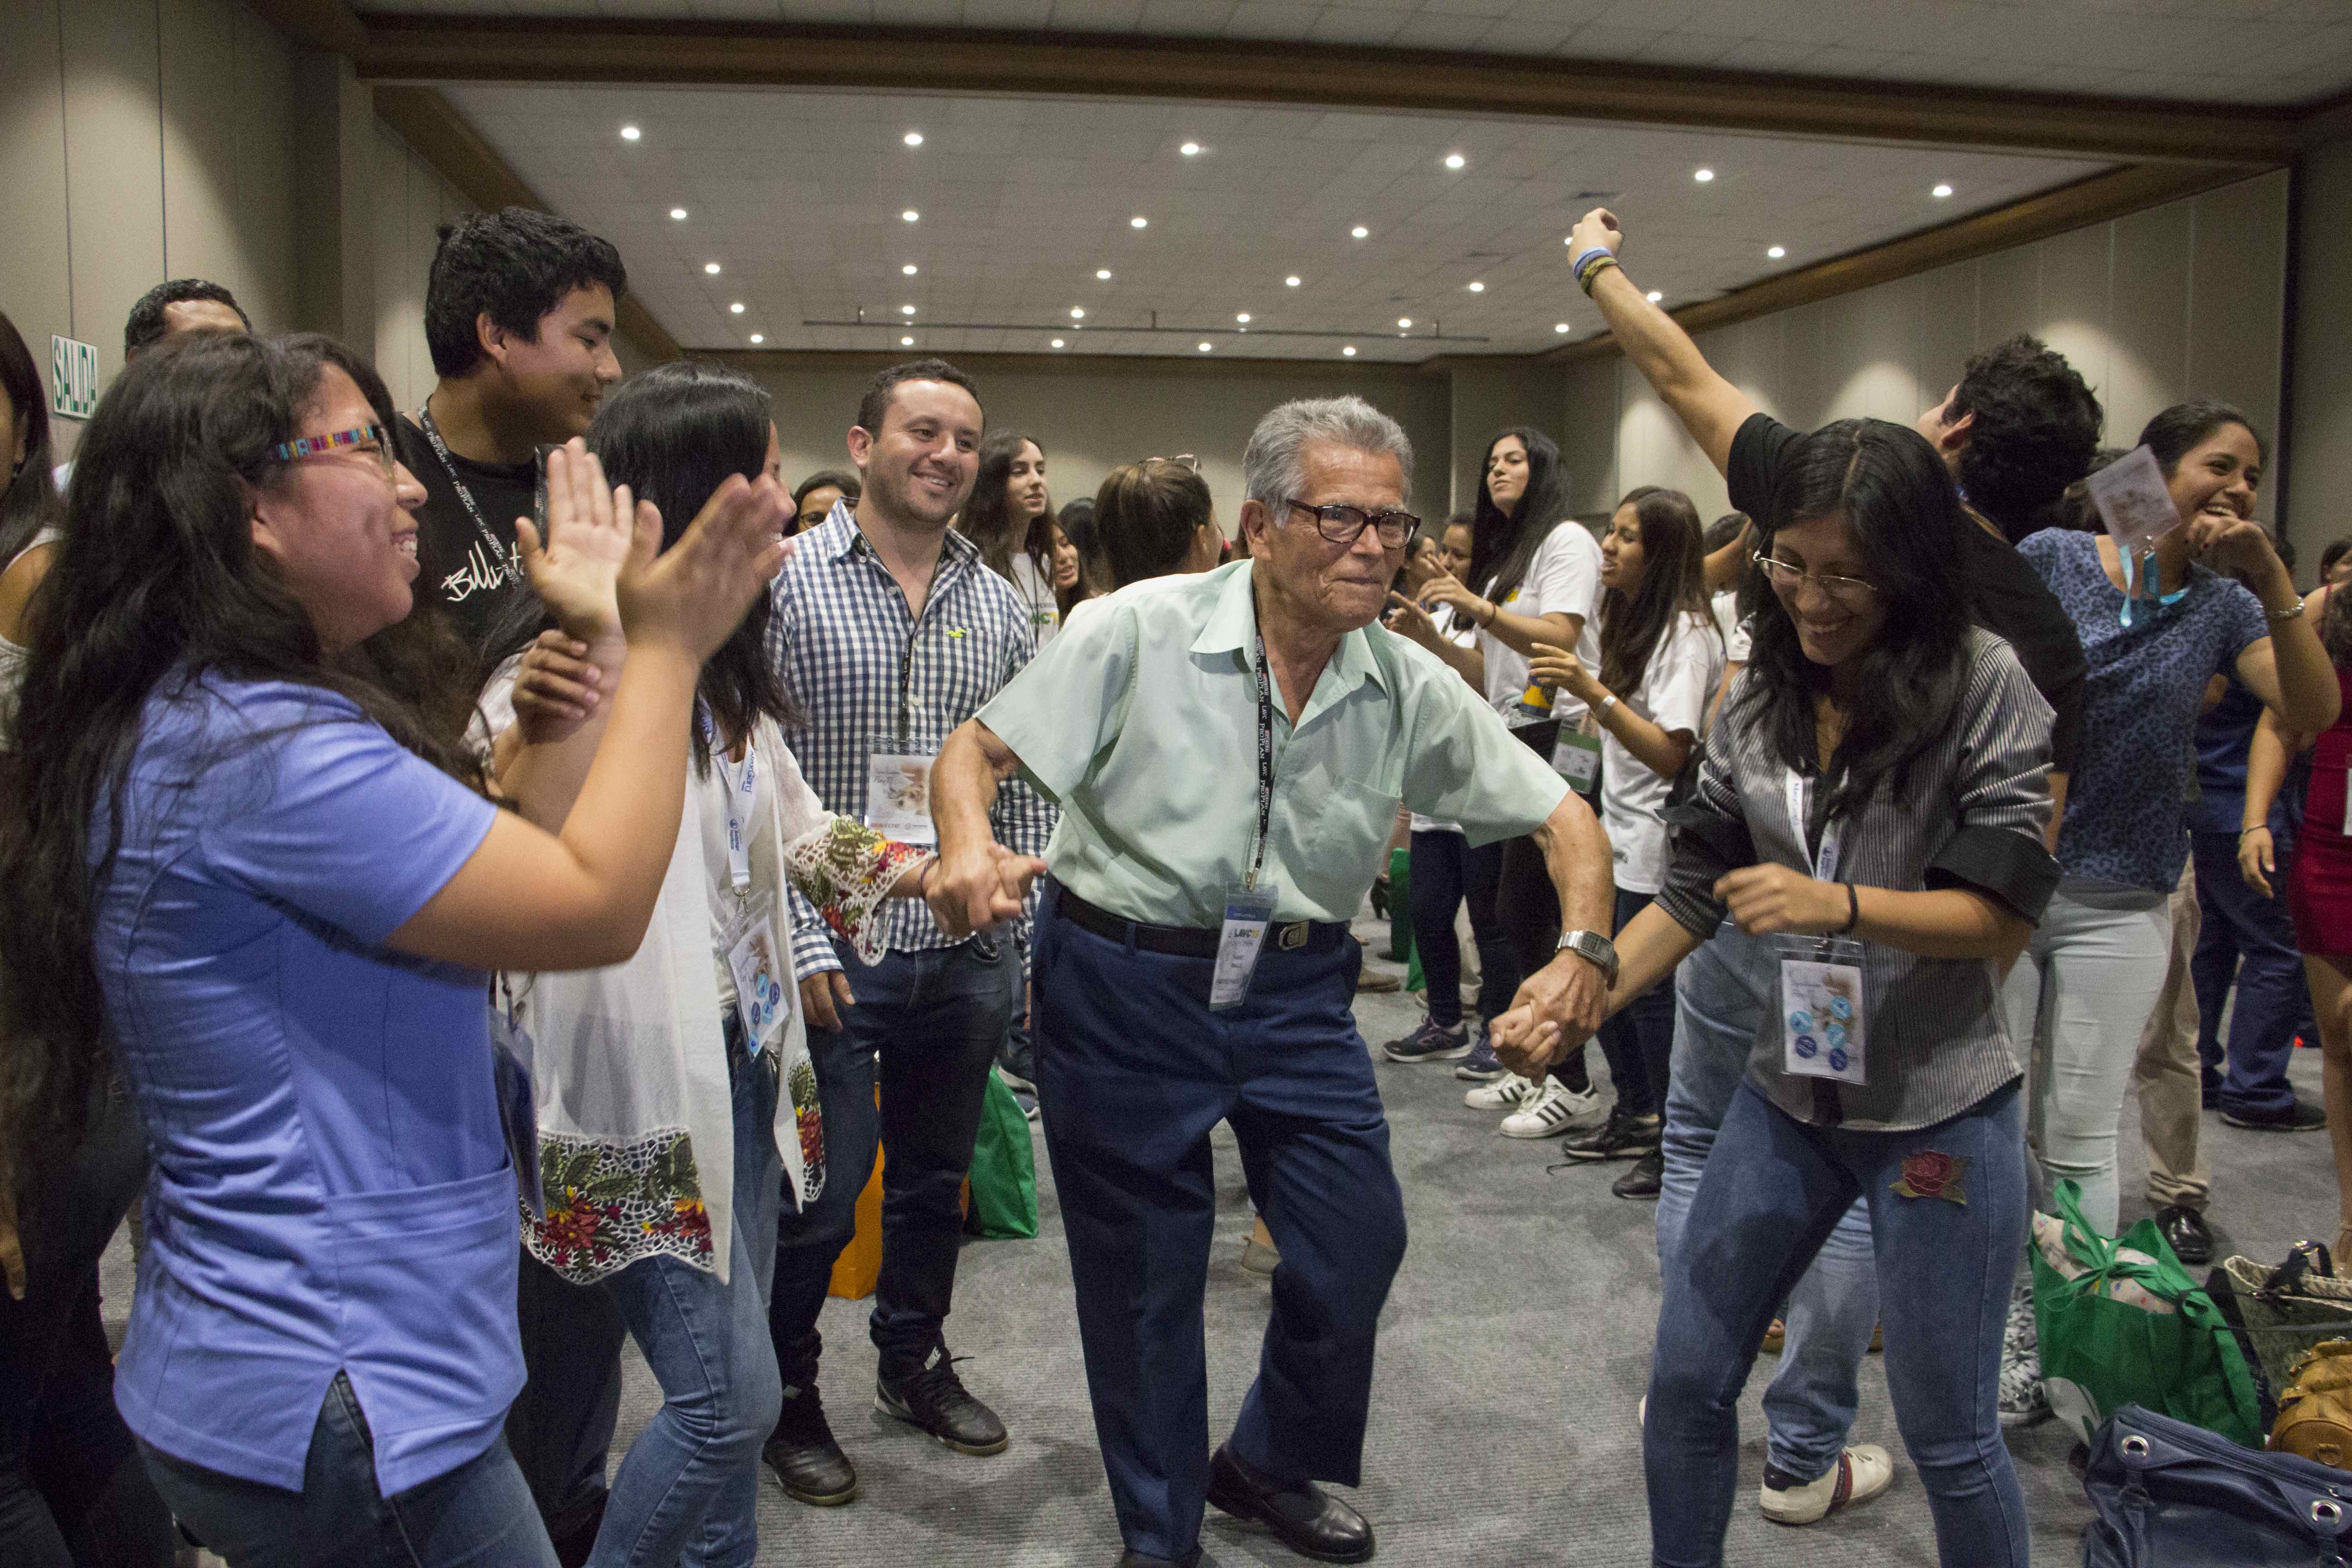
(1894, 493)
(1674, 583)
(988, 515)
(673, 434)
(158, 586)
(1502, 548)
(28, 499)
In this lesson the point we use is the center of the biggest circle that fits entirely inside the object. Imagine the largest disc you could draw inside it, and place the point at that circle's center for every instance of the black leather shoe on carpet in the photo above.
(2301, 1117)
(809, 1465)
(928, 1394)
(1302, 1515)
(1137, 1559)
(1648, 1174)
(2184, 1231)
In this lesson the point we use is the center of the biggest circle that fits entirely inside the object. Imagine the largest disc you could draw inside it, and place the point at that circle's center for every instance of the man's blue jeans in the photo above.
(1723, 993)
(2252, 936)
(932, 1019)
(478, 1513)
(1948, 1210)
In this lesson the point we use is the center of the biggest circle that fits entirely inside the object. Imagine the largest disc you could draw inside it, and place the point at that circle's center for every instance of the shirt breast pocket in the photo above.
(1349, 837)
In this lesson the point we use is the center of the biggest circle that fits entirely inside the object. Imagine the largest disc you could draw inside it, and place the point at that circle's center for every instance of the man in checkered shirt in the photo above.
(890, 632)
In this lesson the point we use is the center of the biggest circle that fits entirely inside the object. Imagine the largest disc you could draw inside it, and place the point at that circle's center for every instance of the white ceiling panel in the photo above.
(2216, 51)
(797, 195)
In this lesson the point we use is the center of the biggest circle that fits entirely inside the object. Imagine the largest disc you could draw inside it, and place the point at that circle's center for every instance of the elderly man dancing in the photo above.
(1192, 959)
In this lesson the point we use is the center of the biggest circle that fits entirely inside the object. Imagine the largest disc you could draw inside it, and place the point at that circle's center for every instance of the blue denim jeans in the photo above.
(478, 1515)
(687, 1489)
(2252, 938)
(1946, 1254)
(930, 1022)
(1445, 872)
(1721, 996)
(1639, 1041)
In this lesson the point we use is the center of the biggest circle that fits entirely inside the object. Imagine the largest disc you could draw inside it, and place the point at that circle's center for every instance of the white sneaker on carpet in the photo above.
(1508, 1092)
(1553, 1111)
(1861, 1473)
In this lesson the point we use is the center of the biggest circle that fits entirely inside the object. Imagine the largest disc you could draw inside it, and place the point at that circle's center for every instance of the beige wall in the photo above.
(142, 140)
(2185, 300)
(1091, 421)
(2320, 432)
(411, 201)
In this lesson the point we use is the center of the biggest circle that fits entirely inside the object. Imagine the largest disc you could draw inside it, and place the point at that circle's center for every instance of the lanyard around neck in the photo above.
(1265, 763)
(740, 787)
(1798, 789)
(2154, 581)
(464, 497)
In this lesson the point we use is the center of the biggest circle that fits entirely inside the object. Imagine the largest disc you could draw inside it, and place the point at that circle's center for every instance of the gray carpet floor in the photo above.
(1515, 1345)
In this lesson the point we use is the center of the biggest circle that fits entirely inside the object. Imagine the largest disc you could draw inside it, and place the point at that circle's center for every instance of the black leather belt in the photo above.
(1192, 941)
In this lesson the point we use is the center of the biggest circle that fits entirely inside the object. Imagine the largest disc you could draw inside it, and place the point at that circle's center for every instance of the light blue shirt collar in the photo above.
(1231, 627)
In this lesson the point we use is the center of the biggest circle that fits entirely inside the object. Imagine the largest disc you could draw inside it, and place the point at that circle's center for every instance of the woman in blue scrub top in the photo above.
(253, 867)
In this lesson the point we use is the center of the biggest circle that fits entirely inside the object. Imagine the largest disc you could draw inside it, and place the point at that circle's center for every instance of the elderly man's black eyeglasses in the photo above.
(1342, 524)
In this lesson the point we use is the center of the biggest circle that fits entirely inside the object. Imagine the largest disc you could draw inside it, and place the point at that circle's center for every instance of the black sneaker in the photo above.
(809, 1465)
(1621, 1137)
(2301, 1117)
(929, 1394)
(1430, 1043)
(1648, 1174)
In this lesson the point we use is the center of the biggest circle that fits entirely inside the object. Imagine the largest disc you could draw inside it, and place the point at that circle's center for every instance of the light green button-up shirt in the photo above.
(1141, 722)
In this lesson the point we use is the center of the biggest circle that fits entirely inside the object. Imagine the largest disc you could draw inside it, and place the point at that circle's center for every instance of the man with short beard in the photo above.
(890, 632)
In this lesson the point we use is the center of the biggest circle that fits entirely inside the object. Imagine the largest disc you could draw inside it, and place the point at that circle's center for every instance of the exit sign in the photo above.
(73, 378)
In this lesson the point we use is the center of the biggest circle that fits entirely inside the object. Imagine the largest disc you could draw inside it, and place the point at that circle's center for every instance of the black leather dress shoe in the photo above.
(2184, 1231)
(1302, 1516)
(1137, 1559)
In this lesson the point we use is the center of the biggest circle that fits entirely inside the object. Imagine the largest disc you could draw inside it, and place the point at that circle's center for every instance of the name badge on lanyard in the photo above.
(1823, 1028)
(1577, 758)
(763, 992)
(1249, 909)
(898, 796)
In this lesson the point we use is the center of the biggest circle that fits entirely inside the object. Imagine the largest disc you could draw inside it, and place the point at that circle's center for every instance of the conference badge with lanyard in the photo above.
(899, 783)
(764, 988)
(494, 564)
(1823, 1032)
(1249, 909)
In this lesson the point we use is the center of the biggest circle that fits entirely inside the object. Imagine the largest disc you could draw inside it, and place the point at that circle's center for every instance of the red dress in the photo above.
(2319, 888)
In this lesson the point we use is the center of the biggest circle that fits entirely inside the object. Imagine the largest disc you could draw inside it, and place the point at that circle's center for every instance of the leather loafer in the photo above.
(1302, 1516)
(2184, 1231)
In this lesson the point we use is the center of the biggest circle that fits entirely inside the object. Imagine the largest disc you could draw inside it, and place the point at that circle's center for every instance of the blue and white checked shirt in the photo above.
(844, 643)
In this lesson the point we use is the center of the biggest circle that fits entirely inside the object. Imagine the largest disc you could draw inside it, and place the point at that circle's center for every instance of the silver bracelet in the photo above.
(2279, 616)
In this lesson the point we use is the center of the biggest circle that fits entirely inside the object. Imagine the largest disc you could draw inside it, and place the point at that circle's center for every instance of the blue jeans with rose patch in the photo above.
(1947, 1215)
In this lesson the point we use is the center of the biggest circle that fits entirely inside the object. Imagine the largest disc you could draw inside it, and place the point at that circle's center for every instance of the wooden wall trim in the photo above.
(444, 138)
(1340, 373)
(1057, 64)
(2086, 202)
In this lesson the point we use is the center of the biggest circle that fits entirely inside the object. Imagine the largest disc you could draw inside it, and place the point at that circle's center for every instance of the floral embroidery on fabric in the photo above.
(1931, 1174)
(610, 1203)
(847, 869)
(807, 1116)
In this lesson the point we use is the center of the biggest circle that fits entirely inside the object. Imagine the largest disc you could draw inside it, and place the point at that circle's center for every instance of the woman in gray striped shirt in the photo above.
(1879, 774)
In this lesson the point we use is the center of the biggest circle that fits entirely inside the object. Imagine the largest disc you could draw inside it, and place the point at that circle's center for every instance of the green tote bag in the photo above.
(1003, 1167)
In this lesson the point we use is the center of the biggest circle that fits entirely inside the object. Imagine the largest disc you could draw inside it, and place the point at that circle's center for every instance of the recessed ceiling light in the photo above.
(906, 310)
(1291, 283)
(1455, 160)
(1777, 252)
(910, 215)
(678, 215)
(1057, 343)
(1103, 274)
(1349, 351)
(758, 338)
(1360, 232)
(1137, 222)
(1242, 318)
(914, 138)
(630, 133)
(1560, 326)
(1940, 191)
(736, 309)
(1404, 320)
(711, 268)
(1077, 313)
(1191, 148)
(1478, 288)
(1205, 347)
(1702, 175)
(1655, 296)
(909, 269)
(906, 343)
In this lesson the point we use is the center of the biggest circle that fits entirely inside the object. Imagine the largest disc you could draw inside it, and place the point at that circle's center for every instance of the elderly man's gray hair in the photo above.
(1274, 465)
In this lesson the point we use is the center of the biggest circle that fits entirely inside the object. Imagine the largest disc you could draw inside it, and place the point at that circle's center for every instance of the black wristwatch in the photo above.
(1594, 949)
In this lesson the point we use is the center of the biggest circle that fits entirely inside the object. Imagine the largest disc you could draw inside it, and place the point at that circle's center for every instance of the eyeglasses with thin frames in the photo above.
(1344, 525)
(1182, 459)
(359, 439)
(1787, 578)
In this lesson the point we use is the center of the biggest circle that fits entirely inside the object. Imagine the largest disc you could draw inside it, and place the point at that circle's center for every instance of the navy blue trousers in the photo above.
(1133, 1071)
(2252, 936)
